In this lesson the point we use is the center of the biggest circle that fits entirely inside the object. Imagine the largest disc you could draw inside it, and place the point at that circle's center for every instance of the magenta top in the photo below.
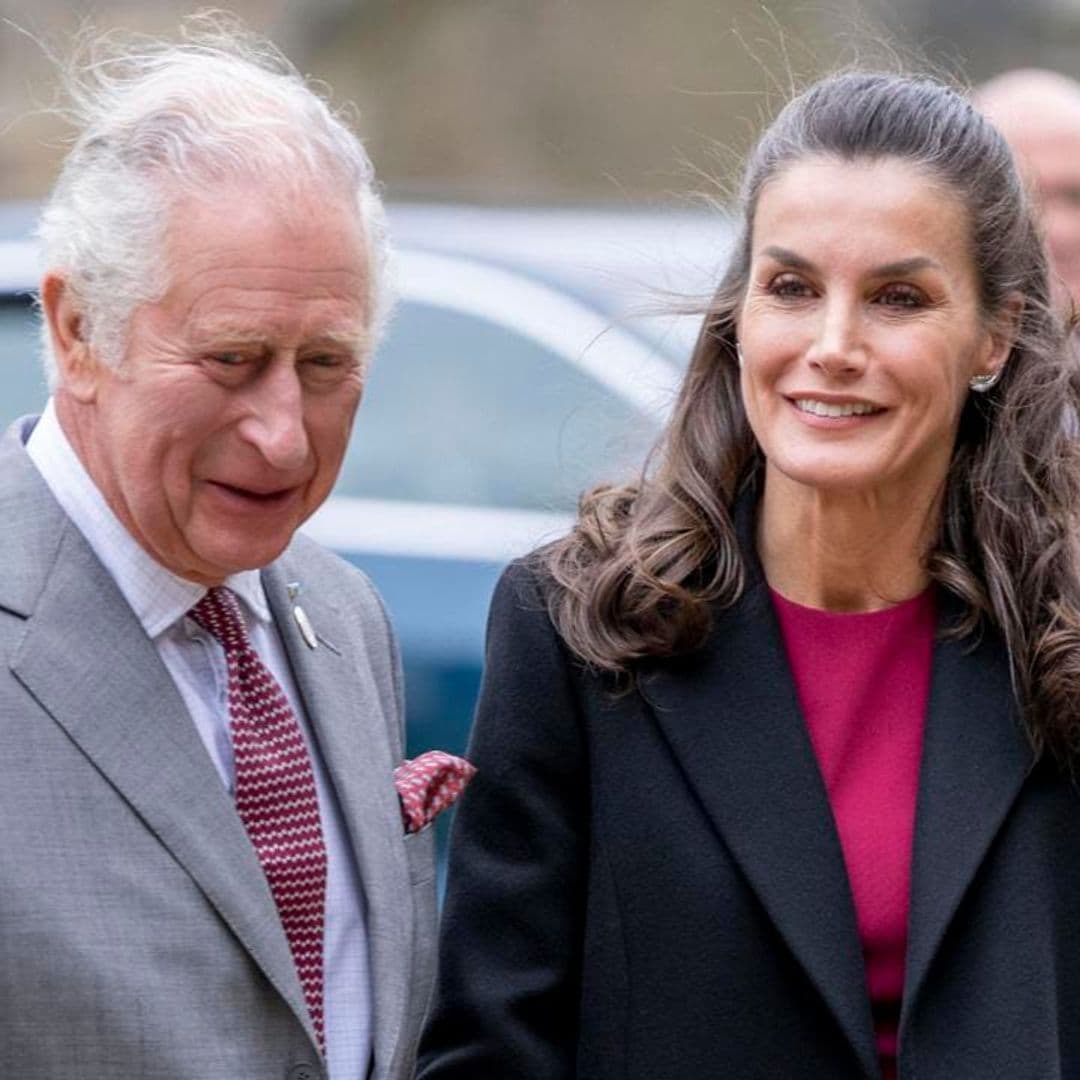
(862, 681)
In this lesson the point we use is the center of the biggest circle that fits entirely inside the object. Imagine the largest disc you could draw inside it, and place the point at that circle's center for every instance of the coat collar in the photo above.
(731, 715)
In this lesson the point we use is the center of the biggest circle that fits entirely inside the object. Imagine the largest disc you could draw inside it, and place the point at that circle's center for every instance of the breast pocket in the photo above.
(420, 853)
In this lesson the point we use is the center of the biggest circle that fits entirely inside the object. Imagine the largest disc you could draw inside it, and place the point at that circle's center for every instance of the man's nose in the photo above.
(838, 349)
(275, 423)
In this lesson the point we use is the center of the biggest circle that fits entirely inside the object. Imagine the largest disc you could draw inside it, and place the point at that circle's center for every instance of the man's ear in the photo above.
(78, 369)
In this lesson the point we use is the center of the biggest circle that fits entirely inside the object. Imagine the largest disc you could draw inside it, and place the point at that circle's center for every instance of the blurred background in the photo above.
(610, 101)
(556, 173)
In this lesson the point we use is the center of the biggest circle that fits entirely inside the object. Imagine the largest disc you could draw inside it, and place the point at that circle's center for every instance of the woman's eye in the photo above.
(901, 296)
(787, 286)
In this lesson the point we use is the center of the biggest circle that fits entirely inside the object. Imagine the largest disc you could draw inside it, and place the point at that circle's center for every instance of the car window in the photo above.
(460, 410)
(23, 379)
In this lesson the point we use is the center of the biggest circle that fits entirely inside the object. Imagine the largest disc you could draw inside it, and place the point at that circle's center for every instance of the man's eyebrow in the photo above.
(900, 268)
(355, 338)
(213, 334)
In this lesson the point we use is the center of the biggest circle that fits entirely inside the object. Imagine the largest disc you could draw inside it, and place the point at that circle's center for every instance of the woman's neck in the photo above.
(843, 550)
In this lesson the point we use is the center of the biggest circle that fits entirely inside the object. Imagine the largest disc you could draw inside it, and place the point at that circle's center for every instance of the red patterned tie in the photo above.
(275, 792)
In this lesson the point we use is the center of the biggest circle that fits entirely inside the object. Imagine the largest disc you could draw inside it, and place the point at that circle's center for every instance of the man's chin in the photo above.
(213, 562)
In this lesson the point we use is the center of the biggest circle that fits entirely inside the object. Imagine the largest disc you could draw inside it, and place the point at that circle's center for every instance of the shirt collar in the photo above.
(157, 596)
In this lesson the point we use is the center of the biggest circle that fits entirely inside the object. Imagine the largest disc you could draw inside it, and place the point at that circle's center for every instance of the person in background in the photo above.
(775, 749)
(204, 868)
(1038, 112)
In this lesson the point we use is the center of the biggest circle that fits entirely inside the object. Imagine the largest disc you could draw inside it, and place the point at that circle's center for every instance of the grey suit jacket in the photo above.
(138, 937)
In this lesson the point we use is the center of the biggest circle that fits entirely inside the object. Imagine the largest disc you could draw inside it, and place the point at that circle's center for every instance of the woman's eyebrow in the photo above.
(907, 266)
(786, 257)
(900, 268)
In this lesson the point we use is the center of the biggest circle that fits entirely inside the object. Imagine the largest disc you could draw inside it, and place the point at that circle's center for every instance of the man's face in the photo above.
(1048, 153)
(224, 427)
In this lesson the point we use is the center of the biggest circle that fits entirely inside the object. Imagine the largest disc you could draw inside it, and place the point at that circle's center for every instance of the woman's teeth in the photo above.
(823, 408)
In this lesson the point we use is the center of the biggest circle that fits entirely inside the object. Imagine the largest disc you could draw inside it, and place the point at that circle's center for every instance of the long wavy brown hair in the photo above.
(646, 563)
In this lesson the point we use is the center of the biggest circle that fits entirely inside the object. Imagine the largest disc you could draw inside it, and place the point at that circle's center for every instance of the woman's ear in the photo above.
(1001, 337)
(77, 368)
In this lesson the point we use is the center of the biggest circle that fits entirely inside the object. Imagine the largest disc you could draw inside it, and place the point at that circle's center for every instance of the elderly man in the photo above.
(203, 865)
(1038, 112)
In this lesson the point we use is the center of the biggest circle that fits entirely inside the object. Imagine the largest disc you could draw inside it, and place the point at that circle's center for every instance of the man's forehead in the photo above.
(1048, 155)
(229, 217)
(1049, 127)
(240, 262)
(1024, 103)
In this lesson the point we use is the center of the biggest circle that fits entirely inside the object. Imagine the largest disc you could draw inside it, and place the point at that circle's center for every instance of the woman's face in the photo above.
(861, 326)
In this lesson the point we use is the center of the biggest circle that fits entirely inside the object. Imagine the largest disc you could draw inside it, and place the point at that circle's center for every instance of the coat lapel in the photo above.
(350, 723)
(731, 716)
(974, 762)
(87, 661)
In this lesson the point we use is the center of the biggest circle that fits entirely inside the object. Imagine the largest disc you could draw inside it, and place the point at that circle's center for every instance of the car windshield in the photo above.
(23, 379)
(460, 410)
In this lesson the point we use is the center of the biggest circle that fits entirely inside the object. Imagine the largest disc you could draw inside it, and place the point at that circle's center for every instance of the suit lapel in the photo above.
(87, 661)
(974, 762)
(731, 716)
(350, 723)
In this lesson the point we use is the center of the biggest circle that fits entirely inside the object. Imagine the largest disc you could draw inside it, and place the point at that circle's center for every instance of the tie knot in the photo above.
(218, 613)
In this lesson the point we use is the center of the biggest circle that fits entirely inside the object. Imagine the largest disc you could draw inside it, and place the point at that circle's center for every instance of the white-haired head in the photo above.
(157, 122)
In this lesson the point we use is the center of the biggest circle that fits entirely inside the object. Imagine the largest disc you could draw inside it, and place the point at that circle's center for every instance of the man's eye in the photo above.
(328, 365)
(1069, 195)
(228, 359)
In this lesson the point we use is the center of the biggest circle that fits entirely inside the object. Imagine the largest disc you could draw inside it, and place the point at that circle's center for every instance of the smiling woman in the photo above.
(857, 362)
(775, 747)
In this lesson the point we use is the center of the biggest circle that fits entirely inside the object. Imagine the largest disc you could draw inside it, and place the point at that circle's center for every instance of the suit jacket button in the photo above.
(304, 1072)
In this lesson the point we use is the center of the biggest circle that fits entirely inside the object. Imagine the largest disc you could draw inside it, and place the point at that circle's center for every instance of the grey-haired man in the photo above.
(203, 867)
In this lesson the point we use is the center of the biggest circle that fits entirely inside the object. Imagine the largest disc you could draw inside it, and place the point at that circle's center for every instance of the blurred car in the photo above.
(514, 374)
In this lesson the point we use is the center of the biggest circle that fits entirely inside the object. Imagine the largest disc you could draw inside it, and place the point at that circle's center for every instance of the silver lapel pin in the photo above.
(307, 631)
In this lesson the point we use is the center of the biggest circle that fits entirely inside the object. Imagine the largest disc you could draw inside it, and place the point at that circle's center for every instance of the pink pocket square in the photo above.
(428, 784)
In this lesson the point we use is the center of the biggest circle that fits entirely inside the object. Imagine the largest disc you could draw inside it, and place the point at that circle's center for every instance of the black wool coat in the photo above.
(651, 887)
